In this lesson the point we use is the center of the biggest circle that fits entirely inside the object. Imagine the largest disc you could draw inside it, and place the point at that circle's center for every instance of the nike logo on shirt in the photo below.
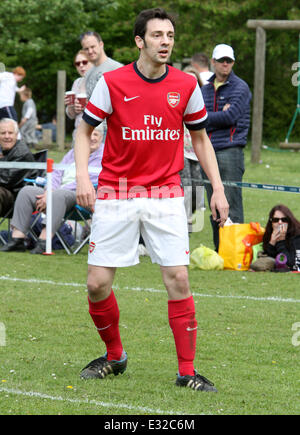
(129, 99)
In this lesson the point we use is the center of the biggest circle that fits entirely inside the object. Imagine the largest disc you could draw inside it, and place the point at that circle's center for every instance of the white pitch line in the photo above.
(153, 290)
(41, 281)
(133, 408)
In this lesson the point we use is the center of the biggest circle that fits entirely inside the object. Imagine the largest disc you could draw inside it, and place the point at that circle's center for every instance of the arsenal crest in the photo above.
(92, 247)
(173, 98)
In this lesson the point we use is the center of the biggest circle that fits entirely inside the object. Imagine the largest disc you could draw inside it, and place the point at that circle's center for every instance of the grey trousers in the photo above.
(62, 201)
(28, 132)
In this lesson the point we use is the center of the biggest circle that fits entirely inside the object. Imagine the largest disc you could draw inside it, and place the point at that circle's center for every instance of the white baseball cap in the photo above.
(223, 50)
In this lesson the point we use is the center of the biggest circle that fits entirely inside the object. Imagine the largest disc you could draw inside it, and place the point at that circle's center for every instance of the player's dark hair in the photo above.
(142, 19)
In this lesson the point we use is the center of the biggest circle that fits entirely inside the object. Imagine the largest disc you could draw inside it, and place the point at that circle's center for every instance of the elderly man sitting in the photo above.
(12, 150)
(33, 198)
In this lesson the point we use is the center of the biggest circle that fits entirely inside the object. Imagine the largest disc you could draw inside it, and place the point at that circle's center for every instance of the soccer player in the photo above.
(145, 104)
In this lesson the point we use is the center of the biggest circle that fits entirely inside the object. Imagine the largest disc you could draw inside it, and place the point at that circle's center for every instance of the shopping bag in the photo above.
(256, 249)
(204, 258)
(236, 243)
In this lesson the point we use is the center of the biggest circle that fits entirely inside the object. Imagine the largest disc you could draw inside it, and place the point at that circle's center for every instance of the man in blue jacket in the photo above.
(227, 100)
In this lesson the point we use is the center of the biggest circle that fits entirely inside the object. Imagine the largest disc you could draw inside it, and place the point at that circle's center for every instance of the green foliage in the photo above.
(43, 36)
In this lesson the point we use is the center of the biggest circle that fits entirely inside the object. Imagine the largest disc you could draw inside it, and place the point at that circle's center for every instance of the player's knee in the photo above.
(96, 289)
(182, 280)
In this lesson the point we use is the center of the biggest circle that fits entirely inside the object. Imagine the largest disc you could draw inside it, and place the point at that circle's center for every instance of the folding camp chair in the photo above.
(39, 157)
(77, 214)
(7, 215)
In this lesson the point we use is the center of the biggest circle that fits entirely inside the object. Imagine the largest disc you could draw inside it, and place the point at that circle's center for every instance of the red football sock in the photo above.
(105, 315)
(184, 327)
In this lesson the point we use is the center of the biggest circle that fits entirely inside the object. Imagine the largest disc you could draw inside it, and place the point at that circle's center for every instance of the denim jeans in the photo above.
(232, 168)
(191, 178)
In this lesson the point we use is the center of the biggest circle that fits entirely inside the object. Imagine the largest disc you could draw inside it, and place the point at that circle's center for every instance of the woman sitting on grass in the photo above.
(282, 236)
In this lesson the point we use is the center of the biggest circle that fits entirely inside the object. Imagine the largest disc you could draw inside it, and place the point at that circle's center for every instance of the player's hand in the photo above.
(86, 194)
(219, 207)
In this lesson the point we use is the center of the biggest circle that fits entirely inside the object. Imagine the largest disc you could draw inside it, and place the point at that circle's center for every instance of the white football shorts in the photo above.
(117, 226)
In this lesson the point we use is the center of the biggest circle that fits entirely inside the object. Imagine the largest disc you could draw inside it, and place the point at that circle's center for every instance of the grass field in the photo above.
(245, 332)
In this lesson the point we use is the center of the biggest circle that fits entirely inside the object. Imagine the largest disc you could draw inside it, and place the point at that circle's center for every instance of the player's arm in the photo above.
(85, 191)
(207, 158)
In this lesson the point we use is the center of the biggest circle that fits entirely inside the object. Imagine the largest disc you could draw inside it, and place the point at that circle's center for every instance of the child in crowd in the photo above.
(29, 118)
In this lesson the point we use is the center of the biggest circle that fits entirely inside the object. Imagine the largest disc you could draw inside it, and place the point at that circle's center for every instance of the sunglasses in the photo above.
(276, 220)
(224, 59)
(83, 62)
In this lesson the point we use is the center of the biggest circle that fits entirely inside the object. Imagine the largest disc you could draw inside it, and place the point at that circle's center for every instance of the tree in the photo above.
(43, 36)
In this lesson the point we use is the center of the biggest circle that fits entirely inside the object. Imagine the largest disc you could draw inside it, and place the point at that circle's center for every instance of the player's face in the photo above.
(8, 135)
(158, 42)
(93, 48)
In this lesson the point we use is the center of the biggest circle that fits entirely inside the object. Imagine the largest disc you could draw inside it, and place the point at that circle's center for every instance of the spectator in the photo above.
(13, 150)
(191, 173)
(93, 46)
(29, 120)
(282, 236)
(200, 62)
(227, 100)
(82, 65)
(47, 126)
(33, 198)
(8, 89)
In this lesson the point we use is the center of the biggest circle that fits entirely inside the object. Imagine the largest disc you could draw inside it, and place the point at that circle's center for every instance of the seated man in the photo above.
(47, 126)
(34, 198)
(13, 150)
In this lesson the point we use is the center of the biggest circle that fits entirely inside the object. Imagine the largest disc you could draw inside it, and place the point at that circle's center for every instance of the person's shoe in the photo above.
(196, 382)
(16, 244)
(101, 367)
(40, 247)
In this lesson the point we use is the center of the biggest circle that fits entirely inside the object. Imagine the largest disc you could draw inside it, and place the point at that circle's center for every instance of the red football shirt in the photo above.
(143, 151)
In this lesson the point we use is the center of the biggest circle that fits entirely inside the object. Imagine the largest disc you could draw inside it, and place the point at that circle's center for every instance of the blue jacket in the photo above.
(227, 128)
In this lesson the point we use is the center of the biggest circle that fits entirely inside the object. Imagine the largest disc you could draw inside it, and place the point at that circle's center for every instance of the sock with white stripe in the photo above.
(184, 327)
(105, 315)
